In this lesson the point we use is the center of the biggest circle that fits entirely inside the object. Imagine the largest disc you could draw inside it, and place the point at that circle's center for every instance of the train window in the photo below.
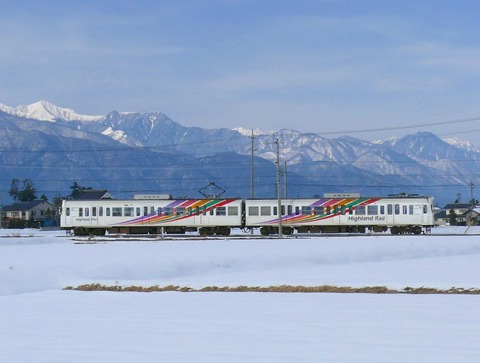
(342, 209)
(410, 209)
(180, 211)
(350, 210)
(275, 211)
(159, 211)
(390, 209)
(404, 209)
(87, 212)
(168, 211)
(265, 211)
(152, 210)
(382, 209)
(211, 211)
(372, 210)
(335, 209)
(145, 211)
(94, 211)
(221, 211)
(289, 209)
(317, 210)
(107, 212)
(297, 210)
(116, 212)
(253, 211)
(425, 209)
(80, 212)
(329, 210)
(204, 211)
(128, 211)
(307, 210)
(360, 210)
(137, 212)
(397, 208)
(233, 211)
(67, 211)
(100, 211)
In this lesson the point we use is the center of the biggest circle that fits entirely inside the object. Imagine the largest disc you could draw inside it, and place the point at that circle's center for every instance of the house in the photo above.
(473, 216)
(36, 213)
(93, 194)
(460, 210)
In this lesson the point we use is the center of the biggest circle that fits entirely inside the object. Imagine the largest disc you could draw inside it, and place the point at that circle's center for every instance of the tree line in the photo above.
(25, 191)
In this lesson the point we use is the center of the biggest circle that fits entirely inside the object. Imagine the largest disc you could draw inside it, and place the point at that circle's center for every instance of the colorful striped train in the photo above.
(334, 213)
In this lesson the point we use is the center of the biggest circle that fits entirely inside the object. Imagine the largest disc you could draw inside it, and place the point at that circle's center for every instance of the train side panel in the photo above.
(306, 214)
(95, 214)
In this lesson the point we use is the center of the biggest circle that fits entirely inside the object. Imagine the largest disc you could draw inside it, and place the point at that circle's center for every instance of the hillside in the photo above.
(149, 152)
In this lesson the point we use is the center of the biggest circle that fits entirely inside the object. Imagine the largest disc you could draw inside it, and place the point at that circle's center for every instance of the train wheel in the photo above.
(224, 231)
(98, 232)
(287, 230)
(417, 230)
(266, 231)
(205, 231)
(394, 230)
(80, 231)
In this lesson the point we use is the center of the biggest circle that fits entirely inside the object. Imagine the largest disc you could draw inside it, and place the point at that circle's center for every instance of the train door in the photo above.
(200, 212)
(427, 214)
(94, 216)
(390, 214)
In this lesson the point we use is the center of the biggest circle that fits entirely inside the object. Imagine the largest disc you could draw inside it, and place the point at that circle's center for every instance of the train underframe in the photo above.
(264, 230)
(202, 231)
(396, 230)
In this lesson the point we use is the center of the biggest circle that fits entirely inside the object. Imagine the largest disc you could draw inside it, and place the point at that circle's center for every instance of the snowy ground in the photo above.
(41, 322)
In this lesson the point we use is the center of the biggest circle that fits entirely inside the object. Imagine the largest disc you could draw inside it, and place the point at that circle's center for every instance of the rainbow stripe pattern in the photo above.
(336, 206)
(190, 207)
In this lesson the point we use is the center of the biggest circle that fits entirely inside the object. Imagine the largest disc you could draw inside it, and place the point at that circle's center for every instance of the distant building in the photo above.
(36, 213)
(93, 194)
(460, 209)
(473, 216)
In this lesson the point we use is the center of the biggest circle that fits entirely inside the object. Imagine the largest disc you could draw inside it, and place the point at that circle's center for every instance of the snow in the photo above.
(462, 144)
(256, 132)
(42, 322)
(46, 111)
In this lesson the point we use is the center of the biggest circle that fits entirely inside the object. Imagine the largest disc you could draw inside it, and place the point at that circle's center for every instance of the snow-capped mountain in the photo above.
(45, 111)
(462, 144)
(139, 146)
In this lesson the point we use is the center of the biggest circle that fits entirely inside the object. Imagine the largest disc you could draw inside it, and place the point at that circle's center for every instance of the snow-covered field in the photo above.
(41, 322)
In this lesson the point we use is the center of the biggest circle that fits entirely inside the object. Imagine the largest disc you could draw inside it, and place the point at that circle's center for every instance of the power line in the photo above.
(404, 127)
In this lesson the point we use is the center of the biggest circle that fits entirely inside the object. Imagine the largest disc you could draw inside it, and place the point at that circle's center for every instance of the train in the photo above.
(332, 213)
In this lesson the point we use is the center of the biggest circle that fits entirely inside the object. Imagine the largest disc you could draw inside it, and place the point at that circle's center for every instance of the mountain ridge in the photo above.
(419, 162)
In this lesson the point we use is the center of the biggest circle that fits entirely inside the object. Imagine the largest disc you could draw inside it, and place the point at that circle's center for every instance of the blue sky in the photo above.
(313, 66)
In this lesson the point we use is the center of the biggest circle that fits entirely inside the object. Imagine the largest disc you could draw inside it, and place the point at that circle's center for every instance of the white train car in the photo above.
(208, 216)
(333, 213)
(400, 214)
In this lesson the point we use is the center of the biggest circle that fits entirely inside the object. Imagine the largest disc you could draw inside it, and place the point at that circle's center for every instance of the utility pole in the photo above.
(472, 201)
(252, 178)
(1, 210)
(279, 191)
(285, 178)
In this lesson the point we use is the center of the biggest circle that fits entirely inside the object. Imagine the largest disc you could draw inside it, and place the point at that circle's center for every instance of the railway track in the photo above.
(159, 238)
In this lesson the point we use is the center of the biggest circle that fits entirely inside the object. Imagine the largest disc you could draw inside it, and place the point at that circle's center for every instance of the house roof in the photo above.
(23, 206)
(442, 214)
(475, 210)
(92, 194)
(457, 206)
